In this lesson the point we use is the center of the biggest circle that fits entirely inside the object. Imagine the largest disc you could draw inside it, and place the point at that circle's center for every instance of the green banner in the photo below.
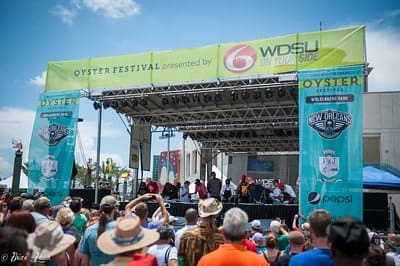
(52, 146)
(333, 48)
(330, 125)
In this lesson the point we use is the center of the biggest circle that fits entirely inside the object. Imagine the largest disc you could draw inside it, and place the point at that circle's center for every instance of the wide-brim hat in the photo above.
(209, 207)
(128, 235)
(48, 240)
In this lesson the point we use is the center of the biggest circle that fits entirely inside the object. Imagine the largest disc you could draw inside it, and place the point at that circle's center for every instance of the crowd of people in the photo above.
(36, 231)
(244, 192)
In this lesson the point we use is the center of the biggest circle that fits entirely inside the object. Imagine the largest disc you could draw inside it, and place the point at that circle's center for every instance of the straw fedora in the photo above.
(126, 236)
(48, 240)
(209, 207)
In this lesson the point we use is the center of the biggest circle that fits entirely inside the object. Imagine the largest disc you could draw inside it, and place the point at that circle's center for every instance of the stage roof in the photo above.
(239, 115)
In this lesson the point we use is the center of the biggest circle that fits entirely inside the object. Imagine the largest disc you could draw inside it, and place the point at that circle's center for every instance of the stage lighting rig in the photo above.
(269, 93)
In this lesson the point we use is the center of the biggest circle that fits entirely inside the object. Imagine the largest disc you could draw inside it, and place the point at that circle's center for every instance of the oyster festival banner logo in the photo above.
(51, 151)
(330, 104)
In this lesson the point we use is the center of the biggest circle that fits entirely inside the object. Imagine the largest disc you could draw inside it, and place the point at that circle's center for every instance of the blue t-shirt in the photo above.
(152, 224)
(314, 257)
(89, 246)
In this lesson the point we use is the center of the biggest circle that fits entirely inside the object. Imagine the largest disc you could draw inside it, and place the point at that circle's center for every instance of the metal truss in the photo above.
(240, 115)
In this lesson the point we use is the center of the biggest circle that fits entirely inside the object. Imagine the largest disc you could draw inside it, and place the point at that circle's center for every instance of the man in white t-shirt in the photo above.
(163, 250)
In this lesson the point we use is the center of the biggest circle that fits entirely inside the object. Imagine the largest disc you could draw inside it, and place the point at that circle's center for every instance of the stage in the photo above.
(375, 209)
(254, 211)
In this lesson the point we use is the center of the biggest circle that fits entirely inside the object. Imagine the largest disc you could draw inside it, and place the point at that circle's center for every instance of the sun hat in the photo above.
(256, 224)
(209, 207)
(128, 235)
(48, 240)
(109, 200)
(348, 235)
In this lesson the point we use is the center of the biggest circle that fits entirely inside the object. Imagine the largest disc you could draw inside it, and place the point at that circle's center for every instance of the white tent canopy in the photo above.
(23, 181)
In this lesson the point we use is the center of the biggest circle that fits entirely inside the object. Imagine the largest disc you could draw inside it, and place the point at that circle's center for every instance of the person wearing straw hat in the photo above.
(126, 240)
(49, 244)
(206, 237)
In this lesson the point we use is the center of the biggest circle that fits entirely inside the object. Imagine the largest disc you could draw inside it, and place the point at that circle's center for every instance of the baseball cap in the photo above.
(349, 235)
(256, 224)
(109, 200)
(258, 237)
(374, 238)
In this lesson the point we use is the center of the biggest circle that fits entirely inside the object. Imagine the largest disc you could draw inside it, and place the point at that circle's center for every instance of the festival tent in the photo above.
(23, 182)
(379, 179)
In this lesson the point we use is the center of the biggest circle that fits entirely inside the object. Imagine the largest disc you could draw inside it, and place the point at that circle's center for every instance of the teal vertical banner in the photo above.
(52, 146)
(330, 118)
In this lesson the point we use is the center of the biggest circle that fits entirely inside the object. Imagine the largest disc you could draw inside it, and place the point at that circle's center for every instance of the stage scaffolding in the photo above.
(258, 114)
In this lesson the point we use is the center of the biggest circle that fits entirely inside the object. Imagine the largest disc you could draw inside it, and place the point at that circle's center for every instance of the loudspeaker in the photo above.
(376, 211)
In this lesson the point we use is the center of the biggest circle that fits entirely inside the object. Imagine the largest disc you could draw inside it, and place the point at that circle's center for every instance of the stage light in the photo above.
(281, 92)
(174, 100)
(185, 99)
(269, 93)
(143, 101)
(124, 103)
(294, 92)
(96, 105)
(206, 97)
(245, 95)
(164, 100)
(106, 105)
(218, 97)
(256, 94)
(196, 98)
(235, 95)
(134, 102)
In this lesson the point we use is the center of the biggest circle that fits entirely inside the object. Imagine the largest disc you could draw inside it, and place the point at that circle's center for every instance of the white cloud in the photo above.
(86, 144)
(383, 48)
(39, 80)
(5, 168)
(115, 9)
(18, 123)
(67, 15)
(15, 123)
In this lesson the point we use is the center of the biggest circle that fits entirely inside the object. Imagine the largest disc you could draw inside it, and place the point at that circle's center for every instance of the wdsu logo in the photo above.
(314, 198)
(240, 58)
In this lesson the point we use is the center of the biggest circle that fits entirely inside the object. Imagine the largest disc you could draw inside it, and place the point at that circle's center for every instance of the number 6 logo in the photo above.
(240, 58)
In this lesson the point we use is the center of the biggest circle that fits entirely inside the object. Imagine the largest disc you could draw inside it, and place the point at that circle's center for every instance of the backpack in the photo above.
(244, 189)
(166, 256)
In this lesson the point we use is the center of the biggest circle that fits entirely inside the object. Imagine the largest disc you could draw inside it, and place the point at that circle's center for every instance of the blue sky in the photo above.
(36, 32)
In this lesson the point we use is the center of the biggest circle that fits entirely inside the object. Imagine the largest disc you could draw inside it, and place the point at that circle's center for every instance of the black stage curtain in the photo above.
(254, 211)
